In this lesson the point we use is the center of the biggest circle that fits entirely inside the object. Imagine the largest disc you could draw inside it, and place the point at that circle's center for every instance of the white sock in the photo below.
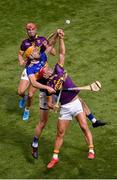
(91, 150)
(35, 144)
(93, 120)
(55, 156)
(26, 109)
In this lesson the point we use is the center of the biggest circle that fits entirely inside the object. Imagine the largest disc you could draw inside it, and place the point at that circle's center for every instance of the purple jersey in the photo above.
(56, 82)
(37, 40)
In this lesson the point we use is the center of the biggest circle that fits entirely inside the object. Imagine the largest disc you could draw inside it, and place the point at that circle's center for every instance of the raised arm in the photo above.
(52, 40)
(61, 59)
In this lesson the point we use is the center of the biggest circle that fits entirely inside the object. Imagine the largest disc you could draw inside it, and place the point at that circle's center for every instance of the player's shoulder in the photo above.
(25, 40)
(58, 69)
(26, 43)
(41, 37)
(58, 65)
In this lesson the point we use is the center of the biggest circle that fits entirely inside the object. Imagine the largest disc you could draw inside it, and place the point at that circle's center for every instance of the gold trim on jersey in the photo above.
(60, 64)
(37, 74)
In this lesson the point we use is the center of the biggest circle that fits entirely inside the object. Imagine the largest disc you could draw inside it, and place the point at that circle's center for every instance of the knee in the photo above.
(20, 92)
(41, 125)
(60, 133)
(84, 127)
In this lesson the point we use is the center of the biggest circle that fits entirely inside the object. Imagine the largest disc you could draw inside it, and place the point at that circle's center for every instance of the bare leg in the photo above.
(38, 131)
(85, 107)
(23, 86)
(31, 92)
(87, 134)
(84, 126)
(42, 122)
(26, 112)
(62, 126)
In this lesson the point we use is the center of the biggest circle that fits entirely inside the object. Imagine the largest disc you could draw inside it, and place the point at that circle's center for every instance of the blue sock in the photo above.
(91, 117)
(35, 139)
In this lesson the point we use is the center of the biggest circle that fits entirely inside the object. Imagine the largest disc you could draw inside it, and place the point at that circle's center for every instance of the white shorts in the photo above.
(70, 110)
(43, 100)
(24, 75)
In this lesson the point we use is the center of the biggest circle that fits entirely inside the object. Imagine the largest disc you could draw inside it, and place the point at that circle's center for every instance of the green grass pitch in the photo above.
(91, 54)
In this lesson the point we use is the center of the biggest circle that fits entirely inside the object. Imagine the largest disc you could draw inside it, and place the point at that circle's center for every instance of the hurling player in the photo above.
(70, 107)
(42, 124)
(32, 40)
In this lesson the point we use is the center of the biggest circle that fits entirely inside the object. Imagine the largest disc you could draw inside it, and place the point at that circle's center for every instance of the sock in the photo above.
(25, 97)
(55, 154)
(91, 149)
(35, 142)
(91, 118)
(26, 109)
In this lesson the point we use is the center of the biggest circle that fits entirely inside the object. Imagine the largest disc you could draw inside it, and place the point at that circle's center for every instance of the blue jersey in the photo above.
(37, 68)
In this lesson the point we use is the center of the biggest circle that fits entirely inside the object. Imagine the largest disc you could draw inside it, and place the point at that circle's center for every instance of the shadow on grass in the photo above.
(17, 137)
(9, 100)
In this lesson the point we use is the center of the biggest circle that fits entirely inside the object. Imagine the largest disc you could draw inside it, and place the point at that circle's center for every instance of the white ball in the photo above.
(67, 21)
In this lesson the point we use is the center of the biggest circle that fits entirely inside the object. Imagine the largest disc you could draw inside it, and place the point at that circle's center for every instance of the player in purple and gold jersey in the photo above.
(32, 40)
(55, 81)
(70, 106)
(23, 56)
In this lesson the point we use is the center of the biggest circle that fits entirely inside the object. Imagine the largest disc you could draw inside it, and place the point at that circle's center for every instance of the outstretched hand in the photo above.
(60, 33)
(50, 90)
(56, 108)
